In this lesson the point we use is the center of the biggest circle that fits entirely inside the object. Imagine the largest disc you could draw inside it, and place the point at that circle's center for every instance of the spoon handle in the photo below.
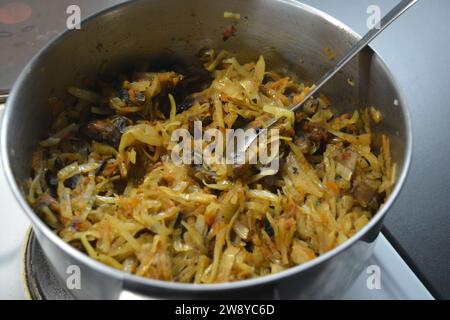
(390, 17)
(361, 44)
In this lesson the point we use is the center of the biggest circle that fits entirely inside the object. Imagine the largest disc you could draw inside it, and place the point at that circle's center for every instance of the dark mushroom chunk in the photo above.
(58, 163)
(240, 122)
(122, 123)
(268, 228)
(79, 146)
(249, 246)
(124, 95)
(316, 132)
(197, 79)
(206, 55)
(143, 232)
(374, 204)
(311, 137)
(143, 165)
(186, 93)
(270, 183)
(138, 98)
(269, 77)
(186, 104)
(100, 169)
(51, 179)
(103, 131)
(120, 185)
(72, 182)
(135, 117)
(178, 220)
(244, 171)
(207, 121)
(311, 106)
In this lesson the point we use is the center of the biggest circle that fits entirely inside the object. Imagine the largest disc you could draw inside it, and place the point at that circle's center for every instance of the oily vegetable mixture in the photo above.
(104, 180)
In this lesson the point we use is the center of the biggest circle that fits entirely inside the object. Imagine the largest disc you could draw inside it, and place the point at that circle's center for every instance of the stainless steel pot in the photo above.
(289, 34)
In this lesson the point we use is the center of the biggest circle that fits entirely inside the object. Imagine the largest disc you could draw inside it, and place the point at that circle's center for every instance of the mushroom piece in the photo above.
(103, 131)
(364, 193)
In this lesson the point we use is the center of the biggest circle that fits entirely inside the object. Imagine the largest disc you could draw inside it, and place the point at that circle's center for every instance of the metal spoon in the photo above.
(390, 17)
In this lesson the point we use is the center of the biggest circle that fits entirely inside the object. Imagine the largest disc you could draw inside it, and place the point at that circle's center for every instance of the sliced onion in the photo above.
(241, 230)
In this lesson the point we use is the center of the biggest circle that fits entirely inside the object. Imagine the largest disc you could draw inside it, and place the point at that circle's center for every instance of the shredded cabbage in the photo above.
(107, 184)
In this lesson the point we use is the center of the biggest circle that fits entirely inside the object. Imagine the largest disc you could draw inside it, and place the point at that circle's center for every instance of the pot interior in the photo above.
(291, 36)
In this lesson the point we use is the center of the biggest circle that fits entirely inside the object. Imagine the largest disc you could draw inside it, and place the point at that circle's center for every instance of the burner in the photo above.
(41, 281)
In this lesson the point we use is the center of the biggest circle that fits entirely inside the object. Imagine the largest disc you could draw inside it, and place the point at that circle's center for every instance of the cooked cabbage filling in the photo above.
(104, 179)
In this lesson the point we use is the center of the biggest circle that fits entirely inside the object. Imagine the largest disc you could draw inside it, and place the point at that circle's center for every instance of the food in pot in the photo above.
(105, 181)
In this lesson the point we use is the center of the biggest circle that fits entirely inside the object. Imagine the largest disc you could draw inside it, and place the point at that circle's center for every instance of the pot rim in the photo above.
(189, 287)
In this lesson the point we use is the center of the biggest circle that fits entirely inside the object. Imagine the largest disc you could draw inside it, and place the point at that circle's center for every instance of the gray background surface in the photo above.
(415, 48)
